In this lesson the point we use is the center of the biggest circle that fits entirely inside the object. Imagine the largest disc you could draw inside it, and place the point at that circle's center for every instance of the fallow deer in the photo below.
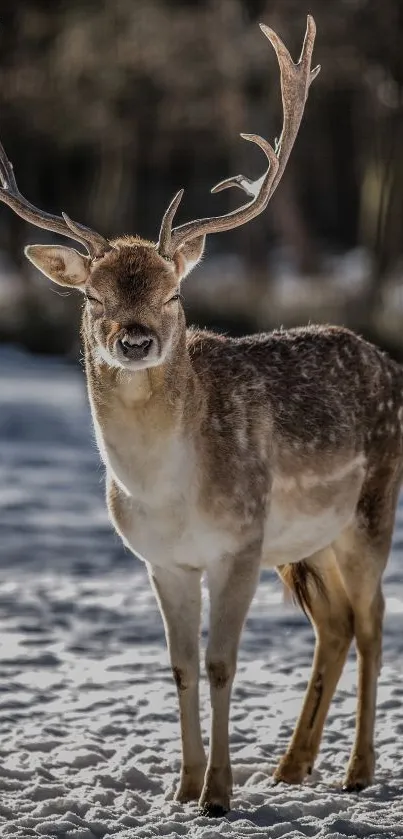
(222, 455)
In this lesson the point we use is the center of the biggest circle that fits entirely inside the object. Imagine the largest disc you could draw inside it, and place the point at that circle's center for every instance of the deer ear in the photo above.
(64, 266)
(188, 256)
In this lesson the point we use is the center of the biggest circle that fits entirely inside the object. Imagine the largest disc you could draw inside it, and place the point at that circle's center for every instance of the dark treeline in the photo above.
(109, 106)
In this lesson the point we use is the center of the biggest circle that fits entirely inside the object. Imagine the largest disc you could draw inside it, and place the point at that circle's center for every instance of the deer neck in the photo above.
(143, 410)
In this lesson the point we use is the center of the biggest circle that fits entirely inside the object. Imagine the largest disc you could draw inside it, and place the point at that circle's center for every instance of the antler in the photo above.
(295, 82)
(95, 244)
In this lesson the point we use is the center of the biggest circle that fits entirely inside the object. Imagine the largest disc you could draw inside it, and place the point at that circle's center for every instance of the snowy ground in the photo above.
(88, 717)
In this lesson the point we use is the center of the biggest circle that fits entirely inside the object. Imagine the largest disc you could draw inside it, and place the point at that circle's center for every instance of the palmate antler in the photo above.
(95, 244)
(295, 82)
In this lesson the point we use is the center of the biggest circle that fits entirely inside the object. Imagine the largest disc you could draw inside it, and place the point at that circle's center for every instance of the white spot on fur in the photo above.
(215, 423)
(262, 443)
(242, 438)
(311, 479)
(285, 483)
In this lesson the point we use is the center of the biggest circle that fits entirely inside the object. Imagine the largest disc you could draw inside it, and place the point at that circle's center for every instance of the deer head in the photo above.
(131, 286)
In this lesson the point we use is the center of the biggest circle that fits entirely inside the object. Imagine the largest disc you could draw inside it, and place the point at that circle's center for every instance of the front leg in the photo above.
(232, 583)
(179, 597)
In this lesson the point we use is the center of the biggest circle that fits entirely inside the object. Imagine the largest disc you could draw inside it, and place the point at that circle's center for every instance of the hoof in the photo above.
(215, 800)
(360, 772)
(355, 787)
(191, 784)
(213, 811)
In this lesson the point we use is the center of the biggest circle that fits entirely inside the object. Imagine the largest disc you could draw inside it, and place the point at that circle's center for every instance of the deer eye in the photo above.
(93, 299)
(176, 296)
(96, 306)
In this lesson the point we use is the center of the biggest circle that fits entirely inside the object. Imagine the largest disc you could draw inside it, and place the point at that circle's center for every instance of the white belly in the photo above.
(166, 538)
(308, 513)
(292, 538)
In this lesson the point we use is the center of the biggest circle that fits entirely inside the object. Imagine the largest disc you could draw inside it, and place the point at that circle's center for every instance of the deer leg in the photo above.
(232, 584)
(179, 597)
(368, 635)
(331, 616)
(361, 565)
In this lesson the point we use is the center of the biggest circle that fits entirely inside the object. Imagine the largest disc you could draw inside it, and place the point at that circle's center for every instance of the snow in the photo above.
(89, 743)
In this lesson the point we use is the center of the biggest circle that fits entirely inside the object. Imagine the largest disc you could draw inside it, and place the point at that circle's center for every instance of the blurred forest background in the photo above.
(109, 106)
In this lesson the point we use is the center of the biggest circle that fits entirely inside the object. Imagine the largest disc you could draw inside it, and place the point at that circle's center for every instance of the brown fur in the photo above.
(308, 419)
(225, 454)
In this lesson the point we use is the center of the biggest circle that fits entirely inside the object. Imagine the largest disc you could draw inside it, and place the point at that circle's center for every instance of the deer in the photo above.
(224, 455)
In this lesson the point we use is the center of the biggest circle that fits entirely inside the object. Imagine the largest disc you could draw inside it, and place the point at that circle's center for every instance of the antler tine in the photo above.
(7, 171)
(95, 244)
(177, 237)
(166, 225)
(295, 82)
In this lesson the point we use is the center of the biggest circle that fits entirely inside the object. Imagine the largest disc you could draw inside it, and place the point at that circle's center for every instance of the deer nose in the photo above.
(135, 347)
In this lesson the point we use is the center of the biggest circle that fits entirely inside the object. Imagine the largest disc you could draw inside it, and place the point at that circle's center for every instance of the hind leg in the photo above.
(361, 561)
(361, 553)
(331, 616)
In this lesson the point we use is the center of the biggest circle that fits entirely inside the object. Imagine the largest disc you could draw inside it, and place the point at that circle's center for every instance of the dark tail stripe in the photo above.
(301, 577)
